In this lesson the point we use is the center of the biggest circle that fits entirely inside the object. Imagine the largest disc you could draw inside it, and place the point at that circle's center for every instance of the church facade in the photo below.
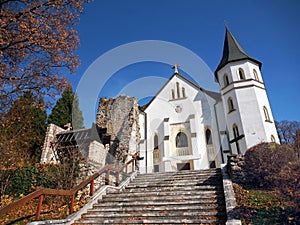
(185, 127)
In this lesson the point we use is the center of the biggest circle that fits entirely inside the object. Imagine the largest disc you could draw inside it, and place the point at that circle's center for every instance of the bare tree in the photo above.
(289, 132)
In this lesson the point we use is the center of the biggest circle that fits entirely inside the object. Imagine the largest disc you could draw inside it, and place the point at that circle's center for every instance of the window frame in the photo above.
(178, 141)
(267, 114)
(226, 80)
(230, 105)
(241, 74)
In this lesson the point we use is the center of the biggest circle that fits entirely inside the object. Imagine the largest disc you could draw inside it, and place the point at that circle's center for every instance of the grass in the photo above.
(264, 207)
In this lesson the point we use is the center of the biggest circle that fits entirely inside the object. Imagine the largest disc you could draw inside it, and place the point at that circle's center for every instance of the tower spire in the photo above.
(232, 51)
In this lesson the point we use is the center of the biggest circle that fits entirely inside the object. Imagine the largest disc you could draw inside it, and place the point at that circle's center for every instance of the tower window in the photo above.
(267, 116)
(155, 141)
(181, 140)
(235, 131)
(178, 90)
(230, 105)
(255, 75)
(241, 74)
(273, 139)
(225, 80)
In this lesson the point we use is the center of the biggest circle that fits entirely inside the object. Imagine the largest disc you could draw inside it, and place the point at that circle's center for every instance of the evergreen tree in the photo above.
(22, 132)
(66, 110)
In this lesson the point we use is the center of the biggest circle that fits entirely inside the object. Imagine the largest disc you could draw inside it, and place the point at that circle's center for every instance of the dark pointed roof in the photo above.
(233, 52)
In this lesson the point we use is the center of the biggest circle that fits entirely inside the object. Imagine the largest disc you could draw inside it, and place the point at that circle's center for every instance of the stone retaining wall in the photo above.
(235, 167)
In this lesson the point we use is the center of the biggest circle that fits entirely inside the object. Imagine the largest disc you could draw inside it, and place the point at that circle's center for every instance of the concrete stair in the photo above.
(183, 197)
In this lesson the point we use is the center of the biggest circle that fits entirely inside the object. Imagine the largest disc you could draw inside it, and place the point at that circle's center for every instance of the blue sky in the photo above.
(267, 30)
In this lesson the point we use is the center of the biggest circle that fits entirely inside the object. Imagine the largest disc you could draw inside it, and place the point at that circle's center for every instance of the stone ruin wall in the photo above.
(121, 118)
(47, 150)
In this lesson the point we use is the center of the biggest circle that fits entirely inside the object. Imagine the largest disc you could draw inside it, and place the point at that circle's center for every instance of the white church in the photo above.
(185, 127)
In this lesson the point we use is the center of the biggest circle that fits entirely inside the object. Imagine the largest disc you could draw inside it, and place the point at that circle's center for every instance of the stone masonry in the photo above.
(235, 166)
(120, 117)
(47, 151)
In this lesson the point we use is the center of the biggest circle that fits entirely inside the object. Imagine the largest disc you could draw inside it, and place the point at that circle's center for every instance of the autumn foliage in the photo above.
(37, 41)
(269, 191)
(264, 162)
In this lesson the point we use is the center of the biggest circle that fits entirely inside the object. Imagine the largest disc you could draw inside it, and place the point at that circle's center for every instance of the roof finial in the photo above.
(175, 67)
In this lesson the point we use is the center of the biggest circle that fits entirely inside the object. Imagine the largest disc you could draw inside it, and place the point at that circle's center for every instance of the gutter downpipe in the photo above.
(217, 122)
(146, 141)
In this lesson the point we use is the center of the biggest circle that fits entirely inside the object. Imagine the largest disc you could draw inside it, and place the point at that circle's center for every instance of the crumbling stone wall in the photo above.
(235, 167)
(120, 116)
(47, 151)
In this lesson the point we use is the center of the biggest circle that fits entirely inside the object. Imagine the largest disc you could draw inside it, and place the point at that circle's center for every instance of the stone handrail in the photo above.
(41, 192)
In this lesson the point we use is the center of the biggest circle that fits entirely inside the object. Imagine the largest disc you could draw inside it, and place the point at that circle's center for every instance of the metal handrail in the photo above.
(41, 192)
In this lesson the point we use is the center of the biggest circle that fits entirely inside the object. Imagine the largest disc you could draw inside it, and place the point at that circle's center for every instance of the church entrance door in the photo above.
(183, 166)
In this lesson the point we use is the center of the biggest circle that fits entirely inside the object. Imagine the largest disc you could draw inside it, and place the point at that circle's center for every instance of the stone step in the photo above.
(152, 214)
(184, 197)
(215, 170)
(145, 190)
(170, 188)
(185, 182)
(173, 185)
(183, 173)
(159, 203)
(166, 193)
(195, 207)
(176, 176)
(140, 220)
(171, 178)
(156, 198)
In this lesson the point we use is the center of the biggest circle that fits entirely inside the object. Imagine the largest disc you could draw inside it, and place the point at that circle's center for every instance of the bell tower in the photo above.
(247, 110)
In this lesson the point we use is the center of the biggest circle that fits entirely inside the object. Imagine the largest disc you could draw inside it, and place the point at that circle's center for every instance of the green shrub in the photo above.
(263, 163)
(25, 180)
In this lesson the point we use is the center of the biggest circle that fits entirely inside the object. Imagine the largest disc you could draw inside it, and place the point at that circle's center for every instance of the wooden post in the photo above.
(92, 187)
(39, 207)
(126, 168)
(72, 203)
(107, 177)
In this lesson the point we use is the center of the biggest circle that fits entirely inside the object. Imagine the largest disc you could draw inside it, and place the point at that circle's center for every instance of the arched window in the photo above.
(183, 92)
(208, 137)
(225, 80)
(235, 131)
(173, 94)
(178, 90)
(181, 140)
(241, 74)
(273, 139)
(155, 141)
(266, 112)
(255, 75)
(230, 105)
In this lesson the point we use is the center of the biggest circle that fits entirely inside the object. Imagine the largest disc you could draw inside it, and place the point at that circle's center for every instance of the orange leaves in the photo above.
(37, 37)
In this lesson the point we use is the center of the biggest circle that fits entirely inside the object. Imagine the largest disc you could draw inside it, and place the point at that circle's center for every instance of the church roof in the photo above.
(232, 52)
(214, 95)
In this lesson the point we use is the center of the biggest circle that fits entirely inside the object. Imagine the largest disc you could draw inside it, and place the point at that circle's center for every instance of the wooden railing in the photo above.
(42, 192)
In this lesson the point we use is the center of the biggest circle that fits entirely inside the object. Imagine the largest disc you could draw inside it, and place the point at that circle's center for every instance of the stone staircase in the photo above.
(183, 197)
